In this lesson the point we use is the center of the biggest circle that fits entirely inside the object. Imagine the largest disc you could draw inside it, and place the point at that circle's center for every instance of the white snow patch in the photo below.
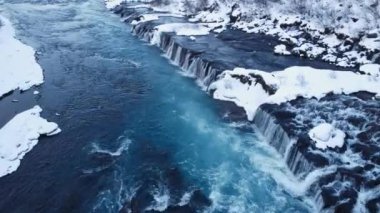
(111, 4)
(290, 83)
(20, 135)
(281, 49)
(371, 69)
(186, 29)
(331, 41)
(152, 17)
(19, 69)
(311, 50)
(326, 135)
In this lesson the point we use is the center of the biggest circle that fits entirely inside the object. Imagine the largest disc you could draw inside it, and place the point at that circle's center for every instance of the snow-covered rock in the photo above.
(310, 50)
(281, 50)
(326, 135)
(20, 135)
(187, 29)
(152, 17)
(19, 69)
(251, 88)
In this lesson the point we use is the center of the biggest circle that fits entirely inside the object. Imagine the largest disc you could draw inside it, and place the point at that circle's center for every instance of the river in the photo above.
(137, 135)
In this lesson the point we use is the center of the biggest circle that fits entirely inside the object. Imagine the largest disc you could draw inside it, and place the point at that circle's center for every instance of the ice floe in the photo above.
(19, 69)
(20, 135)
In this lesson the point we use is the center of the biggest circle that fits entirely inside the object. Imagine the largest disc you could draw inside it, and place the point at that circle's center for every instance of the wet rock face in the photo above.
(358, 169)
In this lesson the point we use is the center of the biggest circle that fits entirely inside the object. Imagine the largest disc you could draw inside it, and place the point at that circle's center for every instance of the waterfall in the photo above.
(313, 172)
(283, 143)
(203, 70)
(191, 62)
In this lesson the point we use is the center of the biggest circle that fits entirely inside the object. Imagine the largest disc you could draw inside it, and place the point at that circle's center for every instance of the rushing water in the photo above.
(137, 135)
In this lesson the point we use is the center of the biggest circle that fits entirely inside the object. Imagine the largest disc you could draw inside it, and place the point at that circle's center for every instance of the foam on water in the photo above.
(124, 144)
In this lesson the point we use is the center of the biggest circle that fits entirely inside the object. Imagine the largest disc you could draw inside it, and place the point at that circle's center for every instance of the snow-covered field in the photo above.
(19, 70)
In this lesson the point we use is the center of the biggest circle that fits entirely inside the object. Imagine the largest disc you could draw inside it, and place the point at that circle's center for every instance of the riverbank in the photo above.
(20, 72)
(338, 178)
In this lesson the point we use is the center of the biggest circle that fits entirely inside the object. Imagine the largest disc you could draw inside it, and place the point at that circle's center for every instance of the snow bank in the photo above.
(152, 17)
(186, 29)
(249, 88)
(371, 69)
(20, 135)
(281, 50)
(19, 69)
(326, 135)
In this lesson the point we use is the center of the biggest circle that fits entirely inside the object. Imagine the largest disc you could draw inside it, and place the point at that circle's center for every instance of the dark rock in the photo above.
(354, 19)
(373, 205)
(199, 200)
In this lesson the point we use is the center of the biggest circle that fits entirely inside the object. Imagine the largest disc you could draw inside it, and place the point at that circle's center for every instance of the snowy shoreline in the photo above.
(248, 88)
(350, 42)
(21, 71)
(20, 135)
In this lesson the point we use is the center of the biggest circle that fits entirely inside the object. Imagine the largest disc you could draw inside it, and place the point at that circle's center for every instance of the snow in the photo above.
(289, 84)
(20, 135)
(186, 29)
(19, 69)
(281, 49)
(152, 17)
(228, 88)
(321, 29)
(326, 135)
(311, 50)
(371, 44)
(331, 41)
(111, 4)
(371, 69)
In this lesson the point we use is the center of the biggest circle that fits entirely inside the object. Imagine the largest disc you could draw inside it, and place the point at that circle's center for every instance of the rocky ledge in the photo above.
(329, 134)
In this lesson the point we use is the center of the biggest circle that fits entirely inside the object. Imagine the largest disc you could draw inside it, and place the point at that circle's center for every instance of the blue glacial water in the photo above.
(137, 135)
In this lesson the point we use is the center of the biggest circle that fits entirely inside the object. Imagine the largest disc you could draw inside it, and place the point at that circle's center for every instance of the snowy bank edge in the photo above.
(20, 135)
(289, 84)
(19, 67)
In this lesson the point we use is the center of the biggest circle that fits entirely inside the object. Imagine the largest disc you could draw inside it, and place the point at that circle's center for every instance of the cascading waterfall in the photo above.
(282, 142)
(189, 61)
(205, 73)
